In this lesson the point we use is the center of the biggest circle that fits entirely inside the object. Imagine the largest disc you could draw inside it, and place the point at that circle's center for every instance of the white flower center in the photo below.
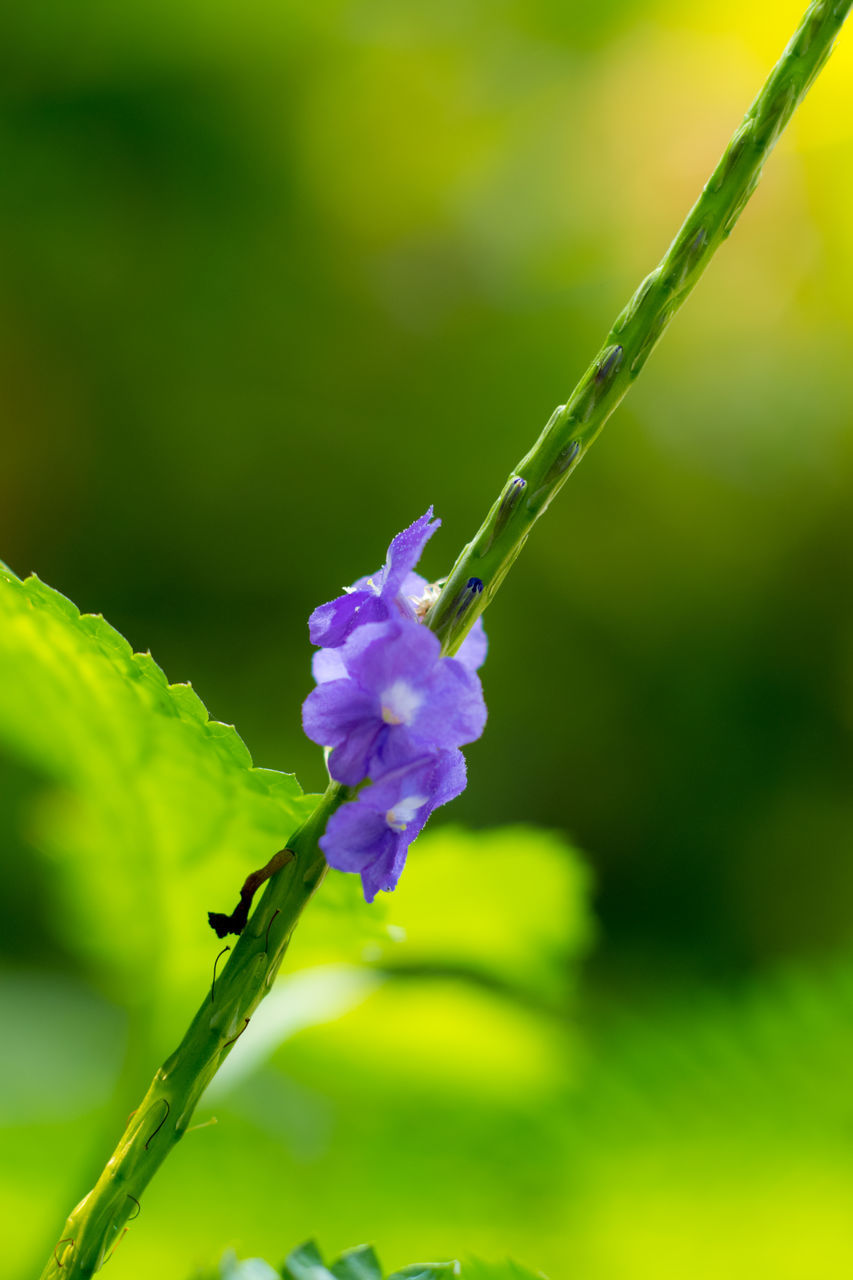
(424, 602)
(400, 703)
(404, 811)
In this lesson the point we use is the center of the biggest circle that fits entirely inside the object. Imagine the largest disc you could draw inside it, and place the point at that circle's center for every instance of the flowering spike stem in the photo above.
(94, 1227)
(636, 331)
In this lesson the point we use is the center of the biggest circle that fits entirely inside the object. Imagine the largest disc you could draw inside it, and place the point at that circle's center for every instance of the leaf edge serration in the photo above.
(179, 700)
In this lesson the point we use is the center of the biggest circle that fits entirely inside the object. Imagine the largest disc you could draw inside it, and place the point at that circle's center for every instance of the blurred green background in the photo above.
(275, 278)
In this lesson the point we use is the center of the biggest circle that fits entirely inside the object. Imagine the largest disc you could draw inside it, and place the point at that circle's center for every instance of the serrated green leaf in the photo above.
(149, 813)
(232, 1268)
(357, 1264)
(306, 1263)
(361, 1263)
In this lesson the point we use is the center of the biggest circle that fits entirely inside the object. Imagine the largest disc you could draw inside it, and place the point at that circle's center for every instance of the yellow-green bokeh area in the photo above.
(276, 277)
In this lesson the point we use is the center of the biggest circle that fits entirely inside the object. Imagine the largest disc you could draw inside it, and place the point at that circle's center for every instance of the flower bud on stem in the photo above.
(573, 426)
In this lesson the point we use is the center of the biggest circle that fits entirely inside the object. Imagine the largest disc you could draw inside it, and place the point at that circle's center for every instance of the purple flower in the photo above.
(473, 649)
(371, 835)
(395, 590)
(396, 689)
(328, 664)
(391, 710)
(374, 599)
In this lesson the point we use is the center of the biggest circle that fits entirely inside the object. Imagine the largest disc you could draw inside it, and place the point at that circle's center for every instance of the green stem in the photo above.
(96, 1225)
(94, 1228)
(484, 562)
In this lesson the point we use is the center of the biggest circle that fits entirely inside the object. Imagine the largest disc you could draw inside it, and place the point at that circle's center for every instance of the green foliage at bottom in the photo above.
(361, 1263)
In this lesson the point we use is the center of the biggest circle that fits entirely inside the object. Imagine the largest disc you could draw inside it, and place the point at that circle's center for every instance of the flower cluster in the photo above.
(391, 711)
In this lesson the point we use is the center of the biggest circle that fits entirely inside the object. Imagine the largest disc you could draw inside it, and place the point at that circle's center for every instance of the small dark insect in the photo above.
(222, 924)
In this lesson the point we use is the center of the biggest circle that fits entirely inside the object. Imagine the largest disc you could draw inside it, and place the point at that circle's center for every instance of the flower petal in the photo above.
(354, 837)
(414, 584)
(349, 762)
(334, 709)
(410, 778)
(405, 651)
(472, 652)
(359, 839)
(453, 712)
(384, 872)
(450, 778)
(328, 664)
(330, 624)
(405, 552)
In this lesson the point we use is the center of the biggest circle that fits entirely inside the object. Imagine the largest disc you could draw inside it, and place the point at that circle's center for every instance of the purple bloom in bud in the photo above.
(328, 664)
(371, 835)
(391, 709)
(396, 590)
(397, 688)
(374, 599)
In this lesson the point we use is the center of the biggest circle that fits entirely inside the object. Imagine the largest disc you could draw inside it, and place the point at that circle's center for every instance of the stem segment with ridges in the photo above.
(635, 333)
